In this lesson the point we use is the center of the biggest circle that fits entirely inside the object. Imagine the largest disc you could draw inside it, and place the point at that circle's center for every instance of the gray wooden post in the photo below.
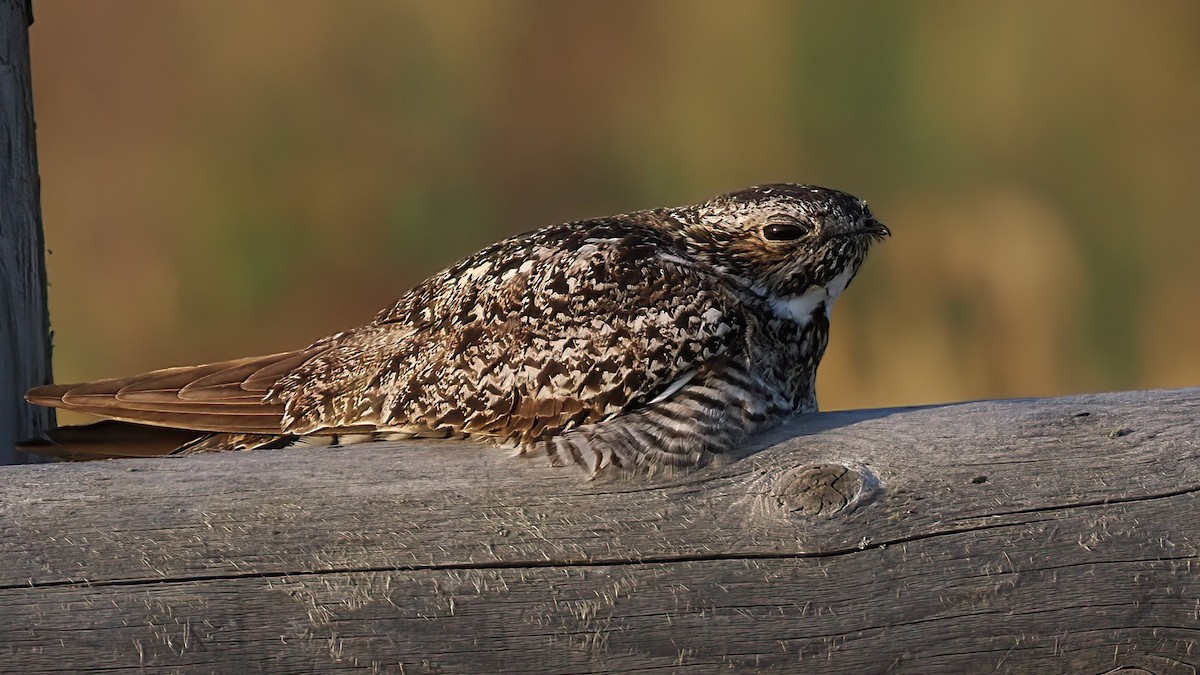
(24, 319)
(1027, 536)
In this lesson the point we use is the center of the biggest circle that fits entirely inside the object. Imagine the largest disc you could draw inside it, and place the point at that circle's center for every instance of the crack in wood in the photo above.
(1088, 504)
(509, 565)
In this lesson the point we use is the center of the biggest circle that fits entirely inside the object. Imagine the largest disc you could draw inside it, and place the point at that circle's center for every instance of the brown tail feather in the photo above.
(219, 397)
(109, 440)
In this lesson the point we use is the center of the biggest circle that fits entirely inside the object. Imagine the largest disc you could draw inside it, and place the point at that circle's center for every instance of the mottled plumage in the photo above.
(651, 340)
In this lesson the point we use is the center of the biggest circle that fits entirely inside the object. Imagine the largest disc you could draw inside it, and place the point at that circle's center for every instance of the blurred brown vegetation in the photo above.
(223, 178)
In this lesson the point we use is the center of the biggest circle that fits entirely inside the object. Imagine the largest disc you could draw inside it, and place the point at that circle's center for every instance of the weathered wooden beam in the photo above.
(24, 321)
(1044, 536)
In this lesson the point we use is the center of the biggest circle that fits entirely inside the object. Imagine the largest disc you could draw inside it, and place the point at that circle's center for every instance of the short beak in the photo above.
(876, 228)
(869, 228)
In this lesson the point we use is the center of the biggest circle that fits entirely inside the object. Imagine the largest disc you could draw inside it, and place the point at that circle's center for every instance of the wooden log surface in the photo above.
(1054, 535)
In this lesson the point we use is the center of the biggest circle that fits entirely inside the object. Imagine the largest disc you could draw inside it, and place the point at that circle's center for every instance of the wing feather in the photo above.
(227, 396)
(567, 326)
(541, 333)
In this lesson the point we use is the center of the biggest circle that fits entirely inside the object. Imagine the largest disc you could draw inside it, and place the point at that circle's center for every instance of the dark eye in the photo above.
(782, 232)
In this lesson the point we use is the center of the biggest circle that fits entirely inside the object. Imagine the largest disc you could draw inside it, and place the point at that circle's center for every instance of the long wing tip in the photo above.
(50, 395)
(226, 396)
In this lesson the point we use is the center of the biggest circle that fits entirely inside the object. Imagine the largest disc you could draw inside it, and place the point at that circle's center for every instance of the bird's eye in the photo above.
(782, 231)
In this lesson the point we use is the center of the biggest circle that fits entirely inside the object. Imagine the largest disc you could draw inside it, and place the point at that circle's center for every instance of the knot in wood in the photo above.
(818, 489)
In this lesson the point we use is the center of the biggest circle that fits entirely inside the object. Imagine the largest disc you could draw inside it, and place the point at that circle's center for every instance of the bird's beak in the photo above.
(876, 228)
(869, 228)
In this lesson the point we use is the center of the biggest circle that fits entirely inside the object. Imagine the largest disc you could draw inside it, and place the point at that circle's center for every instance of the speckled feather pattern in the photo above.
(650, 341)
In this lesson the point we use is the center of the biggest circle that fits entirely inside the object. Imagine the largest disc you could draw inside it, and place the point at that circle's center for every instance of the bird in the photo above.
(655, 341)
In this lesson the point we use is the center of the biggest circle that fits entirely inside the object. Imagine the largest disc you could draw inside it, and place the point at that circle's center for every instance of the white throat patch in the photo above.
(800, 308)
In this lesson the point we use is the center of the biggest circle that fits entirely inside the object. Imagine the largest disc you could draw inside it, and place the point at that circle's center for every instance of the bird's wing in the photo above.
(567, 326)
(225, 396)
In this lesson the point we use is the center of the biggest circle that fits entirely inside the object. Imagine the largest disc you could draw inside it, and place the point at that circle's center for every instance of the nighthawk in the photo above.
(655, 340)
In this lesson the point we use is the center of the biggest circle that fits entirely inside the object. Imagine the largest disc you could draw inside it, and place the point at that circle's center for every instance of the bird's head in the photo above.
(783, 240)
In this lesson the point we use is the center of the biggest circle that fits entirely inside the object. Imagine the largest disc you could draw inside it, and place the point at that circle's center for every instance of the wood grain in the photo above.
(1056, 535)
(24, 321)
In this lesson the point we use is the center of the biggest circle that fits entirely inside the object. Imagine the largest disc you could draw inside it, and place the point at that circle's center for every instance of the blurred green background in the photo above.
(223, 178)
